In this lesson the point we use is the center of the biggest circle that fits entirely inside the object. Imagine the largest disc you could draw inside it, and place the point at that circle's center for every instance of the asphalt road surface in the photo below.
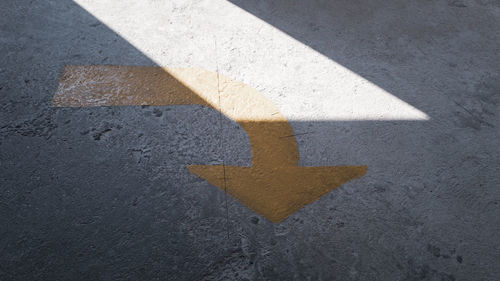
(102, 189)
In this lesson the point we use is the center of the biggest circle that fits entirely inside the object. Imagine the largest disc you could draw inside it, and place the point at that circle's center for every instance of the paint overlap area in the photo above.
(249, 140)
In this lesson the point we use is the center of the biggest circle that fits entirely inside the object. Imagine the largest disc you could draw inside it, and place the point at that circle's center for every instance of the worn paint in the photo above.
(274, 186)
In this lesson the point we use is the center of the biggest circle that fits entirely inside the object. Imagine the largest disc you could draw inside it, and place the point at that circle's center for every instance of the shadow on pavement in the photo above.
(431, 54)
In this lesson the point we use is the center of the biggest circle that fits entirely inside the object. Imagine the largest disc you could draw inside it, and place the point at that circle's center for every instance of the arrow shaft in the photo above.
(271, 137)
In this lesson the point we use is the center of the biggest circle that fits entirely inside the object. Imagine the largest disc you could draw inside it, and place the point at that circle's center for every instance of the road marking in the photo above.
(274, 186)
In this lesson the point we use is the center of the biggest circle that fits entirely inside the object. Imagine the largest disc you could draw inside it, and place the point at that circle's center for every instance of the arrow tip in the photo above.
(276, 193)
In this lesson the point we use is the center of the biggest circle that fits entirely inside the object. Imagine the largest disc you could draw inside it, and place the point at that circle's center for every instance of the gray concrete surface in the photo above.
(408, 88)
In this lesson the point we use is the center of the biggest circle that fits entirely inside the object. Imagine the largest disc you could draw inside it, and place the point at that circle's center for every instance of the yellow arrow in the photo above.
(274, 186)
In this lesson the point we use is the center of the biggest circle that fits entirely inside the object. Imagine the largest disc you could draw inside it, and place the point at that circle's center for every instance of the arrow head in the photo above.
(276, 193)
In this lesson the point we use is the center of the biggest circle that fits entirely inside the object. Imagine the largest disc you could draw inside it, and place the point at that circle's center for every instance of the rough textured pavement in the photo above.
(409, 88)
